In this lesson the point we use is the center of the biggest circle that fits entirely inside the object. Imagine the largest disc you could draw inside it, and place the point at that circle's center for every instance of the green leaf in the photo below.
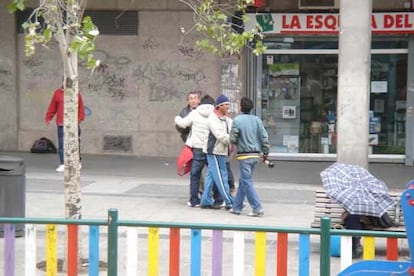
(12, 7)
(16, 5)
(91, 63)
(20, 5)
(47, 33)
(211, 20)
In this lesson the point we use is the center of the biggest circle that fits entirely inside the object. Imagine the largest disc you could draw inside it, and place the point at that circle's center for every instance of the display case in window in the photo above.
(281, 112)
(399, 123)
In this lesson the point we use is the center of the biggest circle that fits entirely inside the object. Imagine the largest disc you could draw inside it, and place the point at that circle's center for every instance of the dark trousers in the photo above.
(197, 165)
(354, 222)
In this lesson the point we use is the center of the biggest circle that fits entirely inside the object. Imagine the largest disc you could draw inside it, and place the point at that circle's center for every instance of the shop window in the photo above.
(298, 102)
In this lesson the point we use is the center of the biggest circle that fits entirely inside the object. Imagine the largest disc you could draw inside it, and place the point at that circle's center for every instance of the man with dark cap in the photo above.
(217, 150)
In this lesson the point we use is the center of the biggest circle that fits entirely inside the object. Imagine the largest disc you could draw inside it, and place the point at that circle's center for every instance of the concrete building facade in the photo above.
(130, 106)
(151, 66)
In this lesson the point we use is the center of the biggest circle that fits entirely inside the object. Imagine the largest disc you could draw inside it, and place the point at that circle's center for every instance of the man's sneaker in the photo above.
(61, 168)
(255, 213)
(228, 207)
(219, 205)
(214, 206)
(234, 211)
(191, 205)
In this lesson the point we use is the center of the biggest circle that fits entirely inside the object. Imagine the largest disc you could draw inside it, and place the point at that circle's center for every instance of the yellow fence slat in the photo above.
(153, 241)
(260, 260)
(51, 250)
(369, 248)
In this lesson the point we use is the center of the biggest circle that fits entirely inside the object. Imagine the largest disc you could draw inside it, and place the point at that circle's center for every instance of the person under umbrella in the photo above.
(359, 192)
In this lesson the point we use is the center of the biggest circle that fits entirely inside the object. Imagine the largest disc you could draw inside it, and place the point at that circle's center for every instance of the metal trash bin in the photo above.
(12, 190)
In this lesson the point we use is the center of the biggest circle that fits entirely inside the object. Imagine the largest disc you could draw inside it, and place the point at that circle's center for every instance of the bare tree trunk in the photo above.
(72, 185)
(71, 139)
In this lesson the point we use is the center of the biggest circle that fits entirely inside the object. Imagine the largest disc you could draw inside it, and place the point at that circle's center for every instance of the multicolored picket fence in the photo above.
(181, 248)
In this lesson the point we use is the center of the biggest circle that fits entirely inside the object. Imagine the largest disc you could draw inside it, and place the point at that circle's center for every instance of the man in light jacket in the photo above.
(197, 121)
(217, 150)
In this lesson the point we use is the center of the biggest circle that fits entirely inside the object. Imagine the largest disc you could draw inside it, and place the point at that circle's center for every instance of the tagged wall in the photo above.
(8, 95)
(131, 104)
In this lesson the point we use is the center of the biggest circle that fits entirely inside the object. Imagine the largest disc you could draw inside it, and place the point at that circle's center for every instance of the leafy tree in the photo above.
(75, 35)
(222, 23)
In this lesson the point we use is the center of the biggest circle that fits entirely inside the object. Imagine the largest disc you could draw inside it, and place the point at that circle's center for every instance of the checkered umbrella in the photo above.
(356, 190)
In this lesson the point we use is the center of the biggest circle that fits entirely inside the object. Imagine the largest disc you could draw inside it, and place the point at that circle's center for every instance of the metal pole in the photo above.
(112, 242)
(325, 247)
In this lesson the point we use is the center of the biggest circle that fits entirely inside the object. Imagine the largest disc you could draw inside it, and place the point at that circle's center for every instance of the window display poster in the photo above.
(289, 112)
(373, 139)
(269, 59)
(291, 142)
(374, 125)
(379, 86)
(283, 69)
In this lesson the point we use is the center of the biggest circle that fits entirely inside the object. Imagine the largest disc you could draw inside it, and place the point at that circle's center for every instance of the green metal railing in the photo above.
(113, 223)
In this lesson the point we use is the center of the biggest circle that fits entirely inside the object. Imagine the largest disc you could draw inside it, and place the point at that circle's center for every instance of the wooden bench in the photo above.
(324, 206)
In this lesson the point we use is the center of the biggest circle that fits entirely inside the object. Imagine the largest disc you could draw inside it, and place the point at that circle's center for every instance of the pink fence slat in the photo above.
(217, 253)
(9, 249)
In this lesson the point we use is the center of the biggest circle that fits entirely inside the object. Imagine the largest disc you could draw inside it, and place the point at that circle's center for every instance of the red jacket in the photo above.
(56, 107)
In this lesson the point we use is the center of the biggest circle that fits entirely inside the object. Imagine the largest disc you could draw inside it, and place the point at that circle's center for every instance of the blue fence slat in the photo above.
(195, 252)
(304, 252)
(93, 263)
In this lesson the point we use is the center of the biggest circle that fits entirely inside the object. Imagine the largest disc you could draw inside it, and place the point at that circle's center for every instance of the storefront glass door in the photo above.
(298, 102)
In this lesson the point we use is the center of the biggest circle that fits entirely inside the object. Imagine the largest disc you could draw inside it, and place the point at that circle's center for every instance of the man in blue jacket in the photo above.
(251, 139)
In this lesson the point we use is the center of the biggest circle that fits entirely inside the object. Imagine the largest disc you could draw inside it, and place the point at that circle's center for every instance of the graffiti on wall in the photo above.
(35, 65)
(108, 81)
(5, 75)
(109, 78)
(167, 81)
(188, 51)
(150, 44)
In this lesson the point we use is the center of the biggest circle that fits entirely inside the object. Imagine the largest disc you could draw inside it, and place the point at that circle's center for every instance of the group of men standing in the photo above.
(206, 127)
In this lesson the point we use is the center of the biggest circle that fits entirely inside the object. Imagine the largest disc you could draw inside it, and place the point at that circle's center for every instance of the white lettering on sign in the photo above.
(394, 22)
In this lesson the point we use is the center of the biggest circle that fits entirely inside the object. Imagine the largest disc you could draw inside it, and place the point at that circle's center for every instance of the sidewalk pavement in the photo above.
(149, 189)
